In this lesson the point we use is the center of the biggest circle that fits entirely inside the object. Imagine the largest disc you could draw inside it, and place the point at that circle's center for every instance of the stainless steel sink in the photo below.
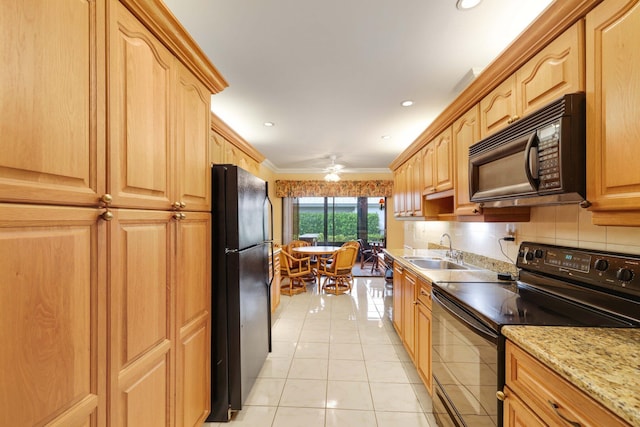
(436, 264)
(413, 258)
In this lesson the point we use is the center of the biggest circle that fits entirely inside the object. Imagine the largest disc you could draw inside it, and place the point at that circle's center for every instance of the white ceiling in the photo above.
(331, 74)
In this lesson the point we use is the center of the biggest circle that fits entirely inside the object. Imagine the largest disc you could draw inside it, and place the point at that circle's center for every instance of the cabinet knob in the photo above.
(106, 199)
(513, 119)
(176, 205)
(183, 205)
(500, 395)
(179, 216)
(107, 216)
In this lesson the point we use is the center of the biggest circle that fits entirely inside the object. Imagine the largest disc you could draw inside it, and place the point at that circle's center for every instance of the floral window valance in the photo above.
(373, 188)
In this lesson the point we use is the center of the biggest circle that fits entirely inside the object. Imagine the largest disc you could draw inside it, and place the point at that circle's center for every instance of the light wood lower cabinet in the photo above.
(423, 333)
(160, 309)
(52, 312)
(541, 391)
(398, 278)
(409, 312)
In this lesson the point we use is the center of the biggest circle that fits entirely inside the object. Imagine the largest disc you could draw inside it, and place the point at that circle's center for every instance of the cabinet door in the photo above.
(423, 346)
(416, 185)
(613, 113)
(193, 317)
(443, 161)
(52, 308)
(140, 313)
(52, 91)
(428, 160)
(216, 148)
(498, 108)
(408, 312)
(399, 190)
(139, 115)
(555, 71)
(517, 414)
(193, 171)
(398, 274)
(466, 132)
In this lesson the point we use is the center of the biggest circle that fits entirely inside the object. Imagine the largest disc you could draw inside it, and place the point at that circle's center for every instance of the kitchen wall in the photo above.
(567, 225)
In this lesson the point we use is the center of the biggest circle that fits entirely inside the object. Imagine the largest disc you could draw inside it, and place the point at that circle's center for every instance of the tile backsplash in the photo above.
(565, 225)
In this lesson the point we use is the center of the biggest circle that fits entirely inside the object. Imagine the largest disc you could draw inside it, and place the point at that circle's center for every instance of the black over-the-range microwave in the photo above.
(537, 160)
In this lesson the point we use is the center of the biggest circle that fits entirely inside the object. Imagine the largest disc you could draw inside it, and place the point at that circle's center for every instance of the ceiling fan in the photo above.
(333, 171)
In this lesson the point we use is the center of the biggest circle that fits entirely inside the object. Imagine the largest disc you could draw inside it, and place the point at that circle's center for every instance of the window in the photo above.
(335, 220)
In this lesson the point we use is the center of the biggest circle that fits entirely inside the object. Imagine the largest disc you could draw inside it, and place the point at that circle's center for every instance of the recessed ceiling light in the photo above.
(407, 103)
(467, 4)
(269, 124)
(386, 136)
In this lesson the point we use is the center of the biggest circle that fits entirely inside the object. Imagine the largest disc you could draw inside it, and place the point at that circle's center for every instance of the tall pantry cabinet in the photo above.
(104, 216)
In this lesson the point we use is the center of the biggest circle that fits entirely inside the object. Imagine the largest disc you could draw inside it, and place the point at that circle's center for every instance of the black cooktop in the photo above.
(557, 286)
(515, 303)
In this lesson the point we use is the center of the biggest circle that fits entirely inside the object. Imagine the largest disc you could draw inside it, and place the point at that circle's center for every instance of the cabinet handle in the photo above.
(176, 205)
(556, 408)
(179, 216)
(501, 396)
(426, 294)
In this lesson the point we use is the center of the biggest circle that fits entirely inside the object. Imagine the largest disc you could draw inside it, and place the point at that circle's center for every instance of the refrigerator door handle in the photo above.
(228, 251)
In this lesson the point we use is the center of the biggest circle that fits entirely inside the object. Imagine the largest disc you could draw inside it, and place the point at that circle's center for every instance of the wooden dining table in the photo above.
(316, 251)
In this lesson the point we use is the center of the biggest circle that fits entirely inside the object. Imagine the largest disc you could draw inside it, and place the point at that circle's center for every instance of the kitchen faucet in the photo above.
(457, 255)
(448, 253)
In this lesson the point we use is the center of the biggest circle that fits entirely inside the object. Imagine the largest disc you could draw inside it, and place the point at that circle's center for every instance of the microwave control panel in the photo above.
(549, 156)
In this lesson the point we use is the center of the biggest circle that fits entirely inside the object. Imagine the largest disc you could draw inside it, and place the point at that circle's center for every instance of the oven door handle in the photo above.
(466, 318)
(531, 162)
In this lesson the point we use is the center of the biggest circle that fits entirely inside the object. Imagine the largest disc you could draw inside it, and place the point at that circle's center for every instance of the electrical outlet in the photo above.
(511, 230)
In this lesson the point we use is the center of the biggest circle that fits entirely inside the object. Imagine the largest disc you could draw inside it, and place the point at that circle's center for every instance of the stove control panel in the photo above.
(615, 271)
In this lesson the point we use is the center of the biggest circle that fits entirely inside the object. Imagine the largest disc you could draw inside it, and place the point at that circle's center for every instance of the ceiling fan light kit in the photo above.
(332, 175)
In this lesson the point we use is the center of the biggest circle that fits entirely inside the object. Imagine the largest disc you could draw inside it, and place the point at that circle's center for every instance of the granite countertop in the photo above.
(603, 362)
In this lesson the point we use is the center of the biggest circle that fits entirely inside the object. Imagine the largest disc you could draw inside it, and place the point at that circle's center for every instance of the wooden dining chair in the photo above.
(295, 270)
(337, 270)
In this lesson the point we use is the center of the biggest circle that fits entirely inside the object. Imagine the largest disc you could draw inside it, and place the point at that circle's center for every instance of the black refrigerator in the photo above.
(241, 309)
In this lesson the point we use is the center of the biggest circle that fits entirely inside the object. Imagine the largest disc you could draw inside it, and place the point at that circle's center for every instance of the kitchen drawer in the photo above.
(542, 389)
(424, 293)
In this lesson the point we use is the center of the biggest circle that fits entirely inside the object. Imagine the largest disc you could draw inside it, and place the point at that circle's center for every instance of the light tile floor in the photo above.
(337, 362)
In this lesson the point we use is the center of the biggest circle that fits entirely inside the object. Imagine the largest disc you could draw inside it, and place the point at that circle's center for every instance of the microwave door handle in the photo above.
(531, 144)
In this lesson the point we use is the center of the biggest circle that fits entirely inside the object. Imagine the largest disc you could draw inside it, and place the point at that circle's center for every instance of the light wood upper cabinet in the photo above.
(556, 70)
(140, 142)
(399, 191)
(428, 161)
(51, 95)
(51, 307)
(159, 140)
(417, 185)
(613, 112)
(466, 131)
(437, 164)
(192, 174)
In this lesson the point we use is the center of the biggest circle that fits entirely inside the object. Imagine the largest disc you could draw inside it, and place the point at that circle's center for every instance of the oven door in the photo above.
(465, 367)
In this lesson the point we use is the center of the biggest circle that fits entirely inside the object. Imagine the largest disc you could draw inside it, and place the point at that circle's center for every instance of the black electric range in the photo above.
(556, 286)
